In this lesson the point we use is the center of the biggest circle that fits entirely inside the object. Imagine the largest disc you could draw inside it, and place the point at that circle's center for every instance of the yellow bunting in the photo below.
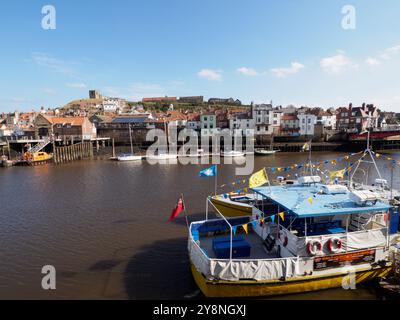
(245, 228)
(389, 158)
(337, 174)
(346, 157)
(258, 179)
(282, 215)
(378, 155)
(310, 200)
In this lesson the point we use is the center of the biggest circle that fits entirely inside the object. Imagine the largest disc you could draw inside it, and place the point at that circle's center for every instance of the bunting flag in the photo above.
(258, 179)
(306, 147)
(316, 165)
(234, 228)
(310, 200)
(245, 228)
(282, 215)
(337, 174)
(273, 218)
(209, 172)
(261, 222)
(254, 223)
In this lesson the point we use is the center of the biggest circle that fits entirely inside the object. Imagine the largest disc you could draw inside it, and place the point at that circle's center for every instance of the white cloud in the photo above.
(390, 53)
(337, 64)
(53, 64)
(372, 62)
(209, 74)
(247, 71)
(294, 68)
(76, 85)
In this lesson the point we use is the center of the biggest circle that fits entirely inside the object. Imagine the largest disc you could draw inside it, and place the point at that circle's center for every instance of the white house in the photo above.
(242, 124)
(113, 104)
(307, 124)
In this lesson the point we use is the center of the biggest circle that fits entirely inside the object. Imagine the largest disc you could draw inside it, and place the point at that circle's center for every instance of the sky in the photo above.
(288, 51)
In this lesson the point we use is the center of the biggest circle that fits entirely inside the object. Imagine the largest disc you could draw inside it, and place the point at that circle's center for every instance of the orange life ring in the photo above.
(335, 244)
(314, 247)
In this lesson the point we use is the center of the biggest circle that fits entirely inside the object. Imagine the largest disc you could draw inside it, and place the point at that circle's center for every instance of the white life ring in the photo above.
(314, 247)
(334, 244)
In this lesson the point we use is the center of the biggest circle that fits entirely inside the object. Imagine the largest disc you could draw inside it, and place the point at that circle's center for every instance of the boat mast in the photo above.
(367, 151)
(130, 137)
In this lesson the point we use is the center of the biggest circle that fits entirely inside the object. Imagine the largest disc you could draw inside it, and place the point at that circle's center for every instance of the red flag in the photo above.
(178, 209)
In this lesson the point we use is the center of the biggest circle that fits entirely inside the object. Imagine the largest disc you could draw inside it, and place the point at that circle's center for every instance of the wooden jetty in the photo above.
(79, 151)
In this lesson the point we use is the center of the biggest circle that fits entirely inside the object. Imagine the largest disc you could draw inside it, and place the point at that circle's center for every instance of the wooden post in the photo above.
(113, 148)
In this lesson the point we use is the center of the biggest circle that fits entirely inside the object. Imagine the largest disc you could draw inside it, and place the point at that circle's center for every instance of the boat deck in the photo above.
(258, 250)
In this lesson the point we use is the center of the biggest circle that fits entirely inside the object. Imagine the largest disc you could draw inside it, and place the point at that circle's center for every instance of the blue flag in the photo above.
(209, 172)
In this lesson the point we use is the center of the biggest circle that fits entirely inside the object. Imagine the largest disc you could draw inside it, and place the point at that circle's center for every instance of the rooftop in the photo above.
(295, 199)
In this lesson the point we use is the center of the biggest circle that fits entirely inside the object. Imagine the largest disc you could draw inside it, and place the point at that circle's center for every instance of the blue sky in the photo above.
(286, 51)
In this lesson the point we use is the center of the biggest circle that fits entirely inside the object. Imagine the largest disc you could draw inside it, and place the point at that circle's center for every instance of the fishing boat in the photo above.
(129, 156)
(301, 237)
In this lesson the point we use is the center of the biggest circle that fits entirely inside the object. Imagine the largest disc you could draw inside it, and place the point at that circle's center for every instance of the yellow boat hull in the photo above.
(246, 288)
(229, 209)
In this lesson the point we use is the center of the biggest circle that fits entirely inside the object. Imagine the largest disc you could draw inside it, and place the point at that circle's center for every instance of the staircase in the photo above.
(40, 146)
(359, 222)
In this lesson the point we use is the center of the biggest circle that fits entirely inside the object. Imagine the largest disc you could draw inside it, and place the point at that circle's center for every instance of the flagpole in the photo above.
(216, 179)
(184, 210)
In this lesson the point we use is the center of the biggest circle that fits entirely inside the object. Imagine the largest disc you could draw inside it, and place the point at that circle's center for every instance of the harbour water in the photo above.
(104, 226)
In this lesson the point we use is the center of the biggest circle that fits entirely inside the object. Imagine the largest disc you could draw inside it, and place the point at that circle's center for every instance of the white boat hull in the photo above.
(129, 158)
(232, 154)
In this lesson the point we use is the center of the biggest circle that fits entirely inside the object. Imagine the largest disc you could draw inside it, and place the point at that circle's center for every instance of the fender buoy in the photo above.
(314, 247)
(285, 239)
(334, 245)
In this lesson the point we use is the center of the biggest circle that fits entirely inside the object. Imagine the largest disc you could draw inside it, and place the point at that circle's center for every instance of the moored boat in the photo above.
(263, 152)
(311, 237)
(129, 157)
(232, 154)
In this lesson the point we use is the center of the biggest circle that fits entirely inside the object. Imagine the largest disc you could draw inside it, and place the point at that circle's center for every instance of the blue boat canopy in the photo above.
(296, 199)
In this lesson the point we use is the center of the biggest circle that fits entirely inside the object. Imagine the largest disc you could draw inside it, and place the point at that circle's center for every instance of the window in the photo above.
(303, 120)
(309, 120)
(205, 118)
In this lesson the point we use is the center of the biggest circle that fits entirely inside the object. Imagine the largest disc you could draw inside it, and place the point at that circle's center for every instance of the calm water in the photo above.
(103, 225)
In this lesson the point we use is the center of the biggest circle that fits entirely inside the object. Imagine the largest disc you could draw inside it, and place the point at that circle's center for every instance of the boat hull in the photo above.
(130, 158)
(245, 288)
(231, 209)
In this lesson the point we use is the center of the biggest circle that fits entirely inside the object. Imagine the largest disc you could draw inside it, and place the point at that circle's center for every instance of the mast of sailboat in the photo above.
(130, 137)
(271, 146)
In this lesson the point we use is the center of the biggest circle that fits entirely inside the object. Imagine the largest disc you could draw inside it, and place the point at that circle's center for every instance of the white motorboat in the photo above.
(129, 157)
(232, 154)
(263, 152)
(162, 156)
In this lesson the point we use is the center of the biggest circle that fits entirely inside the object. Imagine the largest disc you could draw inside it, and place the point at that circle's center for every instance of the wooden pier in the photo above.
(79, 151)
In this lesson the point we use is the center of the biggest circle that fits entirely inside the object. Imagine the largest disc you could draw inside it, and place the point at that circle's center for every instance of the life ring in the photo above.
(334, 245)
(314, 247)
(285, 240)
